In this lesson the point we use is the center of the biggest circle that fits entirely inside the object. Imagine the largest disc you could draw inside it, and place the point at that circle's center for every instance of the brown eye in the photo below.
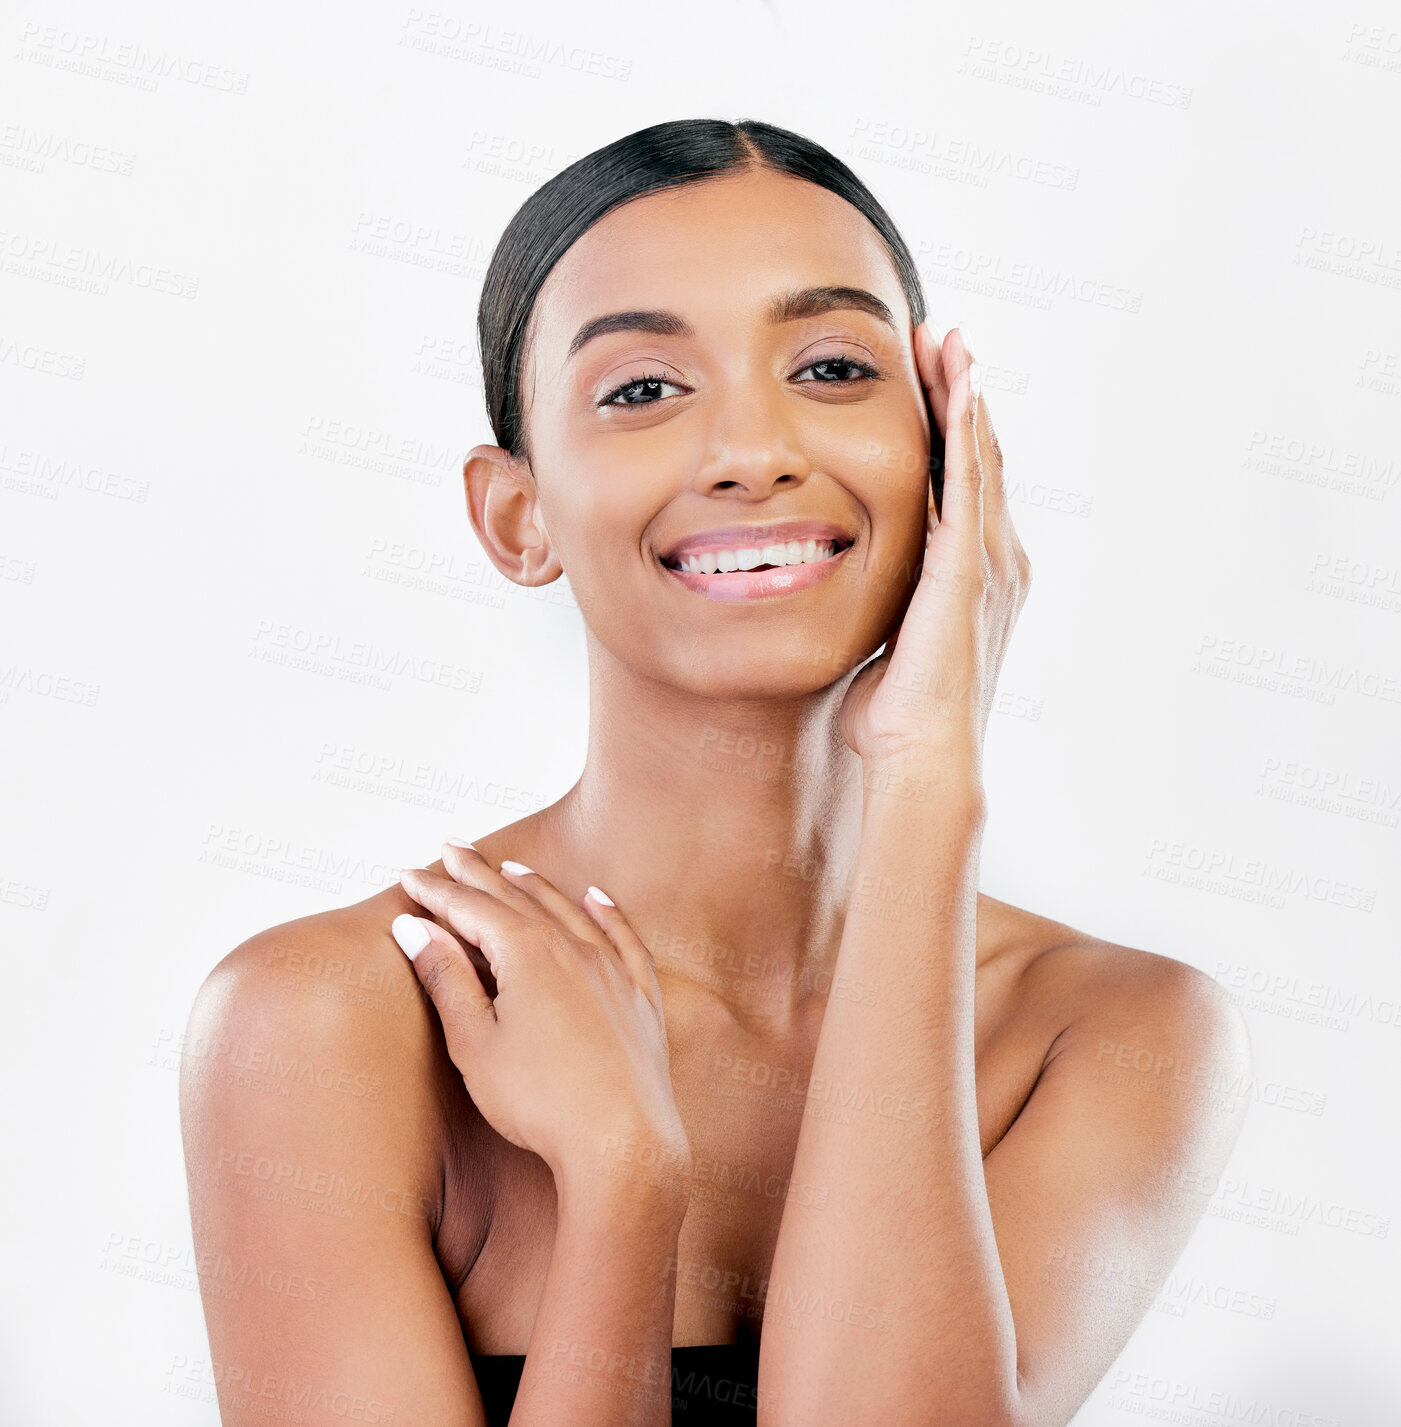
(841, 371)
(640, 391)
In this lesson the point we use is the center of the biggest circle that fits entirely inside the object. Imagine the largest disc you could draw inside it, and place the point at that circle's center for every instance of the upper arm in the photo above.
(312, 1151)
(1091, 1189)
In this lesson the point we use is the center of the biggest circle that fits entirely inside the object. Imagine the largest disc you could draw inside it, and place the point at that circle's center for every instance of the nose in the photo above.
(752, 444)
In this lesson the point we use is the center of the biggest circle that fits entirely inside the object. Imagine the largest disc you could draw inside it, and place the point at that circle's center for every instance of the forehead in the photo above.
(716, 252)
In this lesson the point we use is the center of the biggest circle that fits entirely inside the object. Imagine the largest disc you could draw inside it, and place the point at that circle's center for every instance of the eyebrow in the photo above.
(790, 307)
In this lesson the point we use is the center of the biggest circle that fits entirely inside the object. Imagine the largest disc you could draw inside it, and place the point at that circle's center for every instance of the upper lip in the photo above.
(743, 537)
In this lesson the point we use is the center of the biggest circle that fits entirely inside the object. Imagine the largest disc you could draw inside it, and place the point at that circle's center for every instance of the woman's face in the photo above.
(741, 390)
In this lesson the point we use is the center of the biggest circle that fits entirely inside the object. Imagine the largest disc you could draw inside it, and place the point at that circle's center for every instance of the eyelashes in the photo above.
(865, 369)
(642, 390)
(651, 379)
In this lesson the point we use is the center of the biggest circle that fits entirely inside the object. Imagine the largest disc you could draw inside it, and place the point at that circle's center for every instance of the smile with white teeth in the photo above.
(795, 552)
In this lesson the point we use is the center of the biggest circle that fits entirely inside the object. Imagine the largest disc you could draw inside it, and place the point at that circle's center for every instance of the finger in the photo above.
(548, 898)
(999, 535)
(631, 948)
(466, 864)
(475, 915)
(962, 511)
(1004, 547)
(448, 976)
(958, 356)
(956, 352)
(929, 359)
(929, 362)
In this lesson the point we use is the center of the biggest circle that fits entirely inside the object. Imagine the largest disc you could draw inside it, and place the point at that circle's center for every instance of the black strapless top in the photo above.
(712, 1384)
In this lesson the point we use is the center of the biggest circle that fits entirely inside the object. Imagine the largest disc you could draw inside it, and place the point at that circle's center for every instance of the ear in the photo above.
(503, 505)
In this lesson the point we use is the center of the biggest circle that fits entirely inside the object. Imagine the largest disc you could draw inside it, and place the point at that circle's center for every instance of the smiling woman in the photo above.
(796, 1125)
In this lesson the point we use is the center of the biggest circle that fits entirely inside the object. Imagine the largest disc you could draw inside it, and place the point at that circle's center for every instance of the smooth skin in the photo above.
(803, 1078)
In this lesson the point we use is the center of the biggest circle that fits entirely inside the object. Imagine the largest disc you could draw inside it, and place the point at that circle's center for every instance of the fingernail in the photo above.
(410, 933)
(600, 896)
(975, 380)
(515, 867)
(458, 842)
(963, 335)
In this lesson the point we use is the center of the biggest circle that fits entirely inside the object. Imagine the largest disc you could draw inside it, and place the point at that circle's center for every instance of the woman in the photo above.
(795, 1082)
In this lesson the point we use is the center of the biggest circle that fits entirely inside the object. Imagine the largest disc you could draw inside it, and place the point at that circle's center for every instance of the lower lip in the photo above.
(735, 585)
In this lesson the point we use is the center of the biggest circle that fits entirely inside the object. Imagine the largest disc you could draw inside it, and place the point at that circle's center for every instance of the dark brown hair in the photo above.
(663, 156)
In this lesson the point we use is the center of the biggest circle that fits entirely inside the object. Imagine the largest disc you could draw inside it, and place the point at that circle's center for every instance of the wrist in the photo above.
(943, 777)
(954, 741)
(628, 1166)
(588, 1202)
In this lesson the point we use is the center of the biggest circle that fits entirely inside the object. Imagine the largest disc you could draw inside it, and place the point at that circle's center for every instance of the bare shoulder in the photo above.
(1099, 1183)
(316, 1031)
(335, 978)
(1127, 1006)
(314, 1106)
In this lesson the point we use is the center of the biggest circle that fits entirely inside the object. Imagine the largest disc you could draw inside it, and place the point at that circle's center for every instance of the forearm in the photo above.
(889, 1304)
(600, 1349)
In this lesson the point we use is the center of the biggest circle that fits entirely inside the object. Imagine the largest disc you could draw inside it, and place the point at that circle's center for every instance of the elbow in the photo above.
(1019, 1406)
(1005, 1409)
(996, 1405)
(1004, 1415)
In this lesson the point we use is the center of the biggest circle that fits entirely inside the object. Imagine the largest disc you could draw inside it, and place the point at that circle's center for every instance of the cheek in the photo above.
(611, 484)
(883, 454)
(902, 463)
(596, 510)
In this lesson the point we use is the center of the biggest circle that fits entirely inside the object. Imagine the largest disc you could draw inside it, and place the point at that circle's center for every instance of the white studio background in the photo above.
(254, 661)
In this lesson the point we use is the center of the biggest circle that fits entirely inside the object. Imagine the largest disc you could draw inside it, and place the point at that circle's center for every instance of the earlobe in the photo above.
(503, 505)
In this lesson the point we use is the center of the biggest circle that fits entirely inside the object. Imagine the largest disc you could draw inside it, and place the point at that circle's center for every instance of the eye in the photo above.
(642, 391)
(839, 371)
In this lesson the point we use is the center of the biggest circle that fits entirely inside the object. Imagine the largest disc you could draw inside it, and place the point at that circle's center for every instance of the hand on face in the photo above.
(927, 697)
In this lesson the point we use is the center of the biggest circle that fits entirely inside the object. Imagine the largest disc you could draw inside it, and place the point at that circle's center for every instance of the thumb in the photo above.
(858, 696)
(451, 981)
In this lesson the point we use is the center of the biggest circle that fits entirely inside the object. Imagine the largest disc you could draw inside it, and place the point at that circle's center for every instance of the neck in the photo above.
(726, 831)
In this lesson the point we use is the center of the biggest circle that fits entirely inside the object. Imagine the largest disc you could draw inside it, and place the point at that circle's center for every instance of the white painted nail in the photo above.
(514, 867)
(967, 340)
(458, 842)
(410, 933)
(599, 895)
